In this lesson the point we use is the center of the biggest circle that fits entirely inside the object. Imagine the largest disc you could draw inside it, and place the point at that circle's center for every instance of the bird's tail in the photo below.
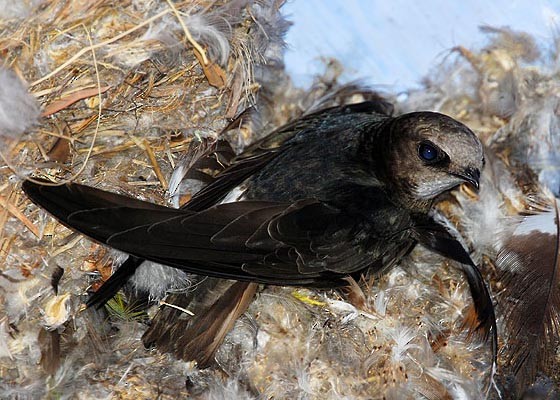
(216, 305)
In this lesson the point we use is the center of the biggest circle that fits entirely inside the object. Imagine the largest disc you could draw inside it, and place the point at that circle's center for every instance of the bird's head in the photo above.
(430, 153)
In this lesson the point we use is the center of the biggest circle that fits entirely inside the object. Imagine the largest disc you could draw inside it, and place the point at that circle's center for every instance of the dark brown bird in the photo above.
(331, 195)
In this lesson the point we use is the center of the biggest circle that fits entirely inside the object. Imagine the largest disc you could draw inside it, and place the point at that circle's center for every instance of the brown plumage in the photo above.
(335, 193)
(529, 265)
(216, 306)
(513, 223)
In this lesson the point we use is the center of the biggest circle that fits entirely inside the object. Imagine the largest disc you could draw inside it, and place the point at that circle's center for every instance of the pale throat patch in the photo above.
(429, 190)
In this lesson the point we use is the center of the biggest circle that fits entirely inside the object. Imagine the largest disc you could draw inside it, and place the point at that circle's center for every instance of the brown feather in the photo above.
(56, 276)
(199, 337)
(202, 163)
(530, 266)
(49, 343)
(432, 389)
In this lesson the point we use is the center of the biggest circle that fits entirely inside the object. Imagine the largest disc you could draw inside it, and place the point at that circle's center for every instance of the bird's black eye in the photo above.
(428, 152)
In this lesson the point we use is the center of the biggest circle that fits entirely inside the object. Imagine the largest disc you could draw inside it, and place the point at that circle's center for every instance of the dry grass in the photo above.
(124, 88)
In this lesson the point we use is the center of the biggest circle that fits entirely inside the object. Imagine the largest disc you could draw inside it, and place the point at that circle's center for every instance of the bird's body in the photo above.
(333, 194)
(319, 203)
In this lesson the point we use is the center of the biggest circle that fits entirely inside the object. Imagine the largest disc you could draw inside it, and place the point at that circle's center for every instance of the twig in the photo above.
(191, 40)
(93, 47)
(163, 303)
(155, 164)
(12, 209)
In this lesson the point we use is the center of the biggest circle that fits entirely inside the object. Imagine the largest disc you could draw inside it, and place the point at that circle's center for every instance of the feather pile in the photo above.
(132, 101)
(512, 224)
(519, 244)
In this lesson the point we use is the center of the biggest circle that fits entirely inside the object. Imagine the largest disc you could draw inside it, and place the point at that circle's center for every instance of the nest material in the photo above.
(124, 92)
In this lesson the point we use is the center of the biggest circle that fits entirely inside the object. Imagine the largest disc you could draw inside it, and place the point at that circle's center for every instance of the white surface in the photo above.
(394, 43)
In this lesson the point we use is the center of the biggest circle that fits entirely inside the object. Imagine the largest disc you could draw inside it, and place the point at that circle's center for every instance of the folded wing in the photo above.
(303, 243)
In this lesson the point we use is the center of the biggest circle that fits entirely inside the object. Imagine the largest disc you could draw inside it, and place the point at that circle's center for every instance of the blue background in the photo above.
(395, 43)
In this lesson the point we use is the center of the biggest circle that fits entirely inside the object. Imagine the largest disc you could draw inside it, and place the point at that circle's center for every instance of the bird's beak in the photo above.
(471, 176)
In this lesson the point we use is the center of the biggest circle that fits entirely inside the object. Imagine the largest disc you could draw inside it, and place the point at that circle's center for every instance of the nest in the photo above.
(125, 91)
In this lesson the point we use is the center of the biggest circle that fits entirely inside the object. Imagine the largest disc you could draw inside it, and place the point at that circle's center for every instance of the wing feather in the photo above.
(295, 243)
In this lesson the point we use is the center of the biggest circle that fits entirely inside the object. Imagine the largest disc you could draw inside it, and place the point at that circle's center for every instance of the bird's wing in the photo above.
(203, 161)
(62, 201)
(263, 151)
(304, 243)
(438, 238)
